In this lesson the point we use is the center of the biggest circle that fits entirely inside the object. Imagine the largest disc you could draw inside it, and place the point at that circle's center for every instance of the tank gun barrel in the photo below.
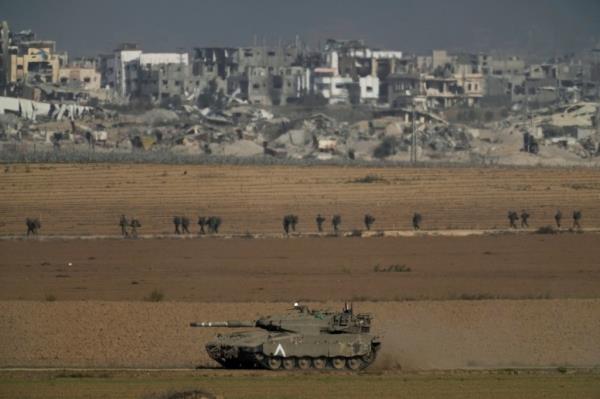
(228, 324)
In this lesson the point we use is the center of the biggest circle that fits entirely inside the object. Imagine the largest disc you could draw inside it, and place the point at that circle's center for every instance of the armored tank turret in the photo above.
(300, 339)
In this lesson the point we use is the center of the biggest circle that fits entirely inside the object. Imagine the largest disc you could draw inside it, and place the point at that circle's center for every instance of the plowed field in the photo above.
(238, 270)
(88, 199)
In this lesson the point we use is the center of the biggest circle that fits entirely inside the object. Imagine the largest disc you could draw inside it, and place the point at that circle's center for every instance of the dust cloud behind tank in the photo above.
(301, 339)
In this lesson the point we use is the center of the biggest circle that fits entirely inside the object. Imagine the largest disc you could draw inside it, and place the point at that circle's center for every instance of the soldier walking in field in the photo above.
(177, 223)
(558, 218)
(336, 220)
(32, 226)
(185, 224)
(135, 224)
(416, 221)
(286, 224)
(124, 223)
(202, 222)
(524, 219)
(320, 220)
(576, 219)
(369, 220)
(512, 218)
(293, 222)
(213, 224)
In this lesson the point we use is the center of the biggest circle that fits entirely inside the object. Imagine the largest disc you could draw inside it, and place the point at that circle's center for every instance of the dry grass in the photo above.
(159, 384)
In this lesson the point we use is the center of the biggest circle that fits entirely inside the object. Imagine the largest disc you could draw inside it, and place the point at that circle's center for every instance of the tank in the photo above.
(300, 339)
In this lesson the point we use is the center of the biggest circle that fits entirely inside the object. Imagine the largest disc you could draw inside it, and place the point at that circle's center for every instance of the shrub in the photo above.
(370, 178)
(155, 296)
(392, 269)
(50, 298)
(476, 297)
(546, 230)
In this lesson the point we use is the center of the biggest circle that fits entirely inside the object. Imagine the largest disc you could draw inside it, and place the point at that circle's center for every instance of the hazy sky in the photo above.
(86, 27)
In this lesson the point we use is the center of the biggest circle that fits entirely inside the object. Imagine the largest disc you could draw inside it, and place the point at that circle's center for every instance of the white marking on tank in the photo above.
(280, 350)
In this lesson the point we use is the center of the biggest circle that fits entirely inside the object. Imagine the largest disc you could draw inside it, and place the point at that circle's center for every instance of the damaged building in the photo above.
(25, 59)
(353, 73)
(129, 70)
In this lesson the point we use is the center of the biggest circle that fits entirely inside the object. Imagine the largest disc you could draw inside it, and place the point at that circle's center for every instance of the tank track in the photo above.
(355, 363)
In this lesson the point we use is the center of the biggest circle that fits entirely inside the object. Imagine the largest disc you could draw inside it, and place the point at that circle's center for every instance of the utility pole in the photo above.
(413, 146)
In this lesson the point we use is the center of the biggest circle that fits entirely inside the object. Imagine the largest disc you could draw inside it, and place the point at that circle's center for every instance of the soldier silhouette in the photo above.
(135, 224)
(185, 224)
(558, 218)
(369, 220)
(336, 221)
(293, 222)
(286, 224)
(213, 224)
(124, 223)
(576, 219)
(177, 223)
(416, 221)
(524, 219)
(320, 219)
(512, 218)
(202, 222)
(32, 226)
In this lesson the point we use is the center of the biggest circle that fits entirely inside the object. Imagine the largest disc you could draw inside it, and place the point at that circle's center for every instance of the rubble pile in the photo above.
(246, 130)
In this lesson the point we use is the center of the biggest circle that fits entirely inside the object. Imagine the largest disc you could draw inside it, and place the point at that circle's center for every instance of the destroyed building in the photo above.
(81, 73)
(353, 73)
(443, 80)
(25, 59)
(129, 70)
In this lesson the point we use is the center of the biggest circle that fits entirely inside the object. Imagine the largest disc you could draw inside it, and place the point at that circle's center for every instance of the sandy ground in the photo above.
(80, 199)
(321, 269)
(415, 335)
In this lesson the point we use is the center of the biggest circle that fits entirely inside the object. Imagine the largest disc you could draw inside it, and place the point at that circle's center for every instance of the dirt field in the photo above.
(321, 269)
(156, 384)
(415, 335)
(88, 199)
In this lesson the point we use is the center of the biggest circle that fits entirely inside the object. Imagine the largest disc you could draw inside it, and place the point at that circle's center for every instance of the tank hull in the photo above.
(287, 351)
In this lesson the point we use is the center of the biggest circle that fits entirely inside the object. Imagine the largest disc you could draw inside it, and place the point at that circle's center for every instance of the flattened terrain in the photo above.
(414, 335)
(321, 269)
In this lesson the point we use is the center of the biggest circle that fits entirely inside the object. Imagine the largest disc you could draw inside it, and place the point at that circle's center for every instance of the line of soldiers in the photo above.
(290, 221)
(513, 218)
(134, 224)
(212, 223)
(182, 221)
(336, 221)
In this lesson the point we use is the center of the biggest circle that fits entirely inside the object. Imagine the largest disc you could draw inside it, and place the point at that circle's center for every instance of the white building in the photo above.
(123, 71)
(369, 89)
(333, 87)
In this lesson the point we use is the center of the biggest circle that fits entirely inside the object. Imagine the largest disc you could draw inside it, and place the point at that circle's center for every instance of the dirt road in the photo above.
(415, 335)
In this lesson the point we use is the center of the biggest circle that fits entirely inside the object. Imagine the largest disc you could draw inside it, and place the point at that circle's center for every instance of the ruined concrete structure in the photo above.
(24, 59)
(340, 72)
(131, 72)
